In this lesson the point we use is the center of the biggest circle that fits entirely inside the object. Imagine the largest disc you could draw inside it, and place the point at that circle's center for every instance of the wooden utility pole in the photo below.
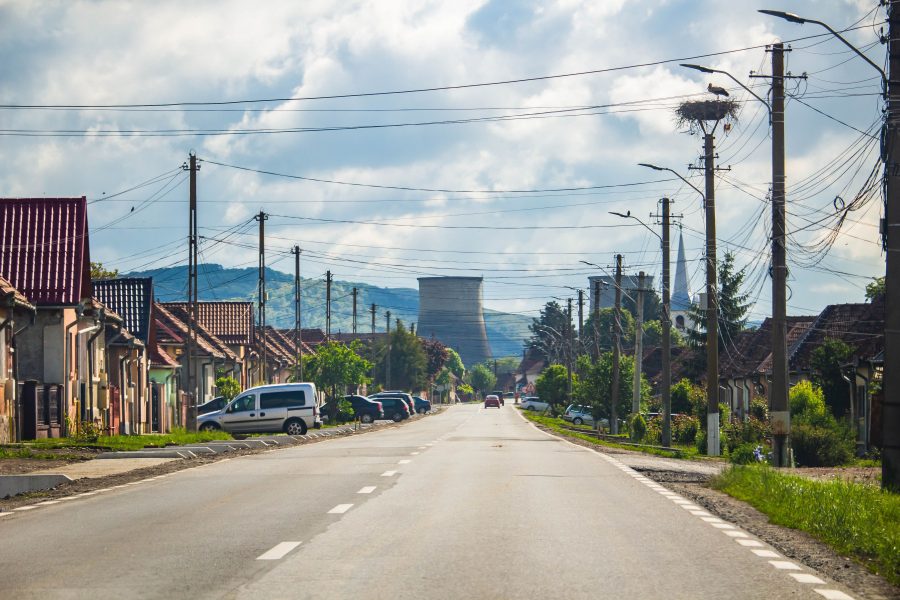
(298, 318)
(638, 346)
(262, 218)
(617, 337)
(327, 305)
(190, 381)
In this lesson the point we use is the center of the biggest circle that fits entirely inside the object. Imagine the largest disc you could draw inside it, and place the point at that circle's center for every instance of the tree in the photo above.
(228, 386)
(594, 386)
(335, 366)
(552, 386)
(653, 335)
(807, 399)
(688, 399)
(875, 289)
(549, 333)
(732, 309)
(652, 304)
(436, 356)
(482, 378)
(605, 324)
(455, 363)
(99, 272)
(826, 361)
(409, 363)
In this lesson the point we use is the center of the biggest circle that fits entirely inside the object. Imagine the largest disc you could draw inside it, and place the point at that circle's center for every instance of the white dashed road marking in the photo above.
(339, 509)
(764, 553)
(834, 594)
(366, 490)
(278, 551)
(806, 578)
(405, 461)
(389, 473)
(784, 565)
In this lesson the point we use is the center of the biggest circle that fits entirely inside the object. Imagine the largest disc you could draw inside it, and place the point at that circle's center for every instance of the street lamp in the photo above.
(676, 174)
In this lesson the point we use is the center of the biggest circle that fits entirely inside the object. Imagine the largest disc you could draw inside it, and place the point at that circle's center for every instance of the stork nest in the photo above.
(692, 114)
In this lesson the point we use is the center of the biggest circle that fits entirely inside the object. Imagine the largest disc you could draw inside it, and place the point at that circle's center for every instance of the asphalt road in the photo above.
(471, 503)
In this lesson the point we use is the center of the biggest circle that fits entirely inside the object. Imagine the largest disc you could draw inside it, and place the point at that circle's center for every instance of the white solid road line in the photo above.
(366, 490)
(278, 551)
(389, 473)
(339, 509)
(29, 507)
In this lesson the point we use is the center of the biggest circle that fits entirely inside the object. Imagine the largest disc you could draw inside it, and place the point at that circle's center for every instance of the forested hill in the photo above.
(506, 332)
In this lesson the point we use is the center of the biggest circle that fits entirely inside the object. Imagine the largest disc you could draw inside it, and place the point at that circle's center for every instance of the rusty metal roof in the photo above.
(44, 249)
(231, 322)
(132, 298)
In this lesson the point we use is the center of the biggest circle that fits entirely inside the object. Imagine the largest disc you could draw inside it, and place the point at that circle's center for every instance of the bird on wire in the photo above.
(718, 91)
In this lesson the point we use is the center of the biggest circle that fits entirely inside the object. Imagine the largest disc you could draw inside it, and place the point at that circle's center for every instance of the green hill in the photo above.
(506, 332)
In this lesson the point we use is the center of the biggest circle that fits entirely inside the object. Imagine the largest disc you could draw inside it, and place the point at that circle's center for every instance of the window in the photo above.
(244, 403)
(285, 399)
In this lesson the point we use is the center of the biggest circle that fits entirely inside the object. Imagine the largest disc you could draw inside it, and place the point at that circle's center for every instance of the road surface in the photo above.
(470, 503)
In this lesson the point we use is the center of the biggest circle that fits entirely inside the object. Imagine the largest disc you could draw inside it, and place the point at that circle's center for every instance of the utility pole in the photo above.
(327, 305)
(712, 313)
(262, 218)
(569, 350)
(580, 315)
(638, 346)
(298, 324)
(189, 386)
(779, 412)
(890, 415)
(666, 329)
(372, 344)
(617, 337)
(355, 292)
(596, 320)
(387, 360)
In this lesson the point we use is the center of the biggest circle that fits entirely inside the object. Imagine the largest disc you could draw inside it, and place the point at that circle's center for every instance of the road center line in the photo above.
(278, 551)
(339, 509)
(366, 490)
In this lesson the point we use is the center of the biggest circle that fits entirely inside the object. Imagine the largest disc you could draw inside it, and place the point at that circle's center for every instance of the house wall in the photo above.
(7, 408)
(167, 384)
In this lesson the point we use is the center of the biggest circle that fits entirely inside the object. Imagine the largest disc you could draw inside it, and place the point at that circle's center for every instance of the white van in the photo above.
(287, 407)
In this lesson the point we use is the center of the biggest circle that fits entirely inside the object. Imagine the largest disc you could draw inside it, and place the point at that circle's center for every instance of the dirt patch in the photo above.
(863, 475)
(61, 456)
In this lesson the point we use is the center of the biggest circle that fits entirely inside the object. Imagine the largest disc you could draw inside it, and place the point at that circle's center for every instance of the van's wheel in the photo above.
(396, 417)
(366, 418)
(295, 427)
(530, 408)
(577, 421)
(209, 427)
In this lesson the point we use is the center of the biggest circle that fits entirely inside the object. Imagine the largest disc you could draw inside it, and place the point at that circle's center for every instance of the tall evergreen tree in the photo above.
(733, 307)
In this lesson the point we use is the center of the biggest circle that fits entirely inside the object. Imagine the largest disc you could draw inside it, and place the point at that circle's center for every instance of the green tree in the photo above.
(807, 399)
(552, 386)
(875, 289)
(482, 378)
(652, 304)
(605, 331)
(826, 361)
(732, 310)
(99, 272)
(335, 366)
(550, 333)
(594, 386)
(436, 355)
(409, 362)
(653, 335)
(228, 386)
(687, 397)
(455, 363)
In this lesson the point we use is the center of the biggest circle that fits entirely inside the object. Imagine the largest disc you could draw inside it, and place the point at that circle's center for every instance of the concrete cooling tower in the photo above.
(450, 309)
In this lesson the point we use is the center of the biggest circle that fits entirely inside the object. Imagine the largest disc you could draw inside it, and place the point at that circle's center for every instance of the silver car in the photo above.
(579, 415)
(287, 407)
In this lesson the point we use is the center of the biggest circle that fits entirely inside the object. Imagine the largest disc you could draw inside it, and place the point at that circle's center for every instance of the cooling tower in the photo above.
(450, 309)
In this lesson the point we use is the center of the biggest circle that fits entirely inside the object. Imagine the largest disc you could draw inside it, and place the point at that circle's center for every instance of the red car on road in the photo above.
(491, 400)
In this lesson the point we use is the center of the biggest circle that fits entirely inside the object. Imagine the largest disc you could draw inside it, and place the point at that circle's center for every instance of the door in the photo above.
(241, 414)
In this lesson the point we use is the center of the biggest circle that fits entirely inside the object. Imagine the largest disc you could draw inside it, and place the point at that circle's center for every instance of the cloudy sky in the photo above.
(461, 168)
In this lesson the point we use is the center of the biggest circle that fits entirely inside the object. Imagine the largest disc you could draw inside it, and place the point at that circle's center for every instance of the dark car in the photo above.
(217, 403)
(422, 405)
(499, 395)
(394, 408)
(403, 396)
(364, 409)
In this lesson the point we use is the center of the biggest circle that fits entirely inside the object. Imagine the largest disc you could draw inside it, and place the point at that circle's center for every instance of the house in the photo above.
(46, 256)
(15, 309)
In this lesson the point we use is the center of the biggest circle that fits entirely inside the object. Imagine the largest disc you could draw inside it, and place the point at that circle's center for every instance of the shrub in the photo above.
(700, 441)
(821, 444)
(654, 432)
(747, 454)
(684, 429)
(638, 428)
(807, 399)
(752, 431)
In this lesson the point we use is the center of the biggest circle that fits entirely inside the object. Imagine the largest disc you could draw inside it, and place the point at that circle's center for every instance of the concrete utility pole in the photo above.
(617, 339)
(327, 305)
(189, 385)
(666, 341)
(890, 415)
(580, 316)
(372, 344)
(596, 320)
(262, 218)
(638, 346)
(387, 360)
(355, 292)
(569, 328)
(712, 313)
(298, 323)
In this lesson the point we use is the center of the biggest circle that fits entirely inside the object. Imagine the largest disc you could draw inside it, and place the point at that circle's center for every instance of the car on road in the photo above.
(422, 405)
(579, 415)
(491, 400)
(394, 407)
(410, 403)
(534, 403)
(364, 409)
(499, 395)
(287, 407)
(217, 403)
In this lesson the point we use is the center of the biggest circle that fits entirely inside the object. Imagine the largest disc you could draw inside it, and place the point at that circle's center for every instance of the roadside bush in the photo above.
(747, 454)
(759, 409)
(684, 429)
(654, 432)
(724, 414)
(700, 441)
(824, 444)
(753, 432)
(638, 428)
(807, 399)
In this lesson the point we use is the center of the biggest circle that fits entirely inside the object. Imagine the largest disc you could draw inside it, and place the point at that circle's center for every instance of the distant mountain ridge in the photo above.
(506, 332)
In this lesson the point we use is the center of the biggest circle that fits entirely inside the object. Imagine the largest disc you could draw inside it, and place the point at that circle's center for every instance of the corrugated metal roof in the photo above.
(231, 322)
(44, 249)
(132, 298)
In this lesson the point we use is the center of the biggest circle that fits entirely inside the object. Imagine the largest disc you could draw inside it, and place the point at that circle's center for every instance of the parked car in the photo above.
(287, 407)
(217, 403)
(410, 403)
(534, 403)
(422, 405)
(394, 408)
(499, 395)
(364, 409)
(579, 415)
(509, 396)
(491, 400)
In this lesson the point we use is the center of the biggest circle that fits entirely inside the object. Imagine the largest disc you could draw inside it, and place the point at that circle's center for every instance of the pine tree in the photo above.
(732, 309)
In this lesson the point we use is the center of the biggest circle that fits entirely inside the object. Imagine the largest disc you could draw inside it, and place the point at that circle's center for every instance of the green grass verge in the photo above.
(857, 520)
(562, 427)
(31, 454)
(132, 442)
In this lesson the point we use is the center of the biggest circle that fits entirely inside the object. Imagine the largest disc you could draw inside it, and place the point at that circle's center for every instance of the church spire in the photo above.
(681, 295)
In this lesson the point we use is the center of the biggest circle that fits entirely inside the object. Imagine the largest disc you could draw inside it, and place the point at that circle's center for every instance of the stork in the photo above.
(718, 91)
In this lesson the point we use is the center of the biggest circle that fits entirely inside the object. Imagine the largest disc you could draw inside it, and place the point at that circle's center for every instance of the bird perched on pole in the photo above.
(718, 91)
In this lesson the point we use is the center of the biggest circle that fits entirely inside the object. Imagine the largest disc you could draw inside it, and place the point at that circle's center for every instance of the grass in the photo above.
(178, 437)
(857, 520)
(31, 454)
(562, 427)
